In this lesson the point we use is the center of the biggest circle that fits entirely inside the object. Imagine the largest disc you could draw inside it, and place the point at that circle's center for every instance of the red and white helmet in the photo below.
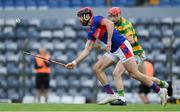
(114, 11)
(85, 10)
(82, 13)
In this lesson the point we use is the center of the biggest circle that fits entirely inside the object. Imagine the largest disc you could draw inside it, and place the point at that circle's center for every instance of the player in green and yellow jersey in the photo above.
(125, 27)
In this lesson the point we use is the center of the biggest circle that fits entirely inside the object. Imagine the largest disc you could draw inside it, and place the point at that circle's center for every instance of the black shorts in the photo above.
(42, 81)
(144, 89)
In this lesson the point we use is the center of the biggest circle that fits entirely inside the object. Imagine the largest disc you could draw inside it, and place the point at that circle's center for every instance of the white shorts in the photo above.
(123, 53)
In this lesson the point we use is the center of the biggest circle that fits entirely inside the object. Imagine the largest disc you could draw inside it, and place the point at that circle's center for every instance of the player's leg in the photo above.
(132, 68)
(117, 75)
(98, 68)
(102, 63)
(125, 55)
(142, 69)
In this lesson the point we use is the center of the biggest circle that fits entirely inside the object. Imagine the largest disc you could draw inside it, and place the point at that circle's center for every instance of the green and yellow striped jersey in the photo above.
(125, 27)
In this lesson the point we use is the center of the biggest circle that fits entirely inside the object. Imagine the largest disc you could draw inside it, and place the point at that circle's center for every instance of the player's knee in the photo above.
(97, 68)
(117, 73)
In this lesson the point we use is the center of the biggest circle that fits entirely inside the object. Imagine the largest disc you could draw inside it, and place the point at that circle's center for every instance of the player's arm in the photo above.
(110, 28)
(88, 47)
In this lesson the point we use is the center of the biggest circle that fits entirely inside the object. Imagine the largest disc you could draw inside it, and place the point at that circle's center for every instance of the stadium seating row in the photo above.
(64, 39)
(44, 4)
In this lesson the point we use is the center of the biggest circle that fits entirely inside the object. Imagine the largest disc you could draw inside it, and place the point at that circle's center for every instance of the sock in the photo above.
(121, 95)
(155, 87)
(108, 89)
(161, 83)
(121, 92)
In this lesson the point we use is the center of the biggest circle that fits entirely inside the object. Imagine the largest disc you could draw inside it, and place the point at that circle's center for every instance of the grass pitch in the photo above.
(87, 107)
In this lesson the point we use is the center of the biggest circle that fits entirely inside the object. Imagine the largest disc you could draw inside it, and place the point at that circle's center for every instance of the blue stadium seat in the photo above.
(177, 22)
(61, 91)
(177, 32)
(64, 3)
(70, 55)
(76, 3)
(57, 36)
(59, 46)
(1, 36)
(3, 69)
(8, 32)
(1, 4)
(147, 46)
(87, 3)
(167, 22)
(33, 45)
(3, 62)
(11, 46)
(81, 34)
(12, 81)
(177, 56)
(74, 81)
(21, 33)
(62, 82)
(154, 23)
(165, 3)
(45, 24)
(53, 3)
(48, 46)
(142, 34)
(99, 3)
(45, 34)
(3, 94)
(57, 24)
(161, 58)
(73, 91)
(8, 3)
(33, 34)
(160, 68)
(87, 92)
(130, 3)
(13, 94)
(31, 3)
(114, 3)
(167, 33)
(19, 3)
(12, 69)
(41, 3)
(175, 2)
(121, 2)
(155, 33)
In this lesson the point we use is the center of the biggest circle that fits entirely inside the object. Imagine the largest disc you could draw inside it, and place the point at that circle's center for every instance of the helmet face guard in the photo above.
(82, 14)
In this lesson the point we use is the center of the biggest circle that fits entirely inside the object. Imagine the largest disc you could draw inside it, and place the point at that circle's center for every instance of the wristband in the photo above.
(74, 62)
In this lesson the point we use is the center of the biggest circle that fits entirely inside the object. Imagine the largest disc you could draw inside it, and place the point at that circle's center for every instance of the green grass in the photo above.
(87, 107)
